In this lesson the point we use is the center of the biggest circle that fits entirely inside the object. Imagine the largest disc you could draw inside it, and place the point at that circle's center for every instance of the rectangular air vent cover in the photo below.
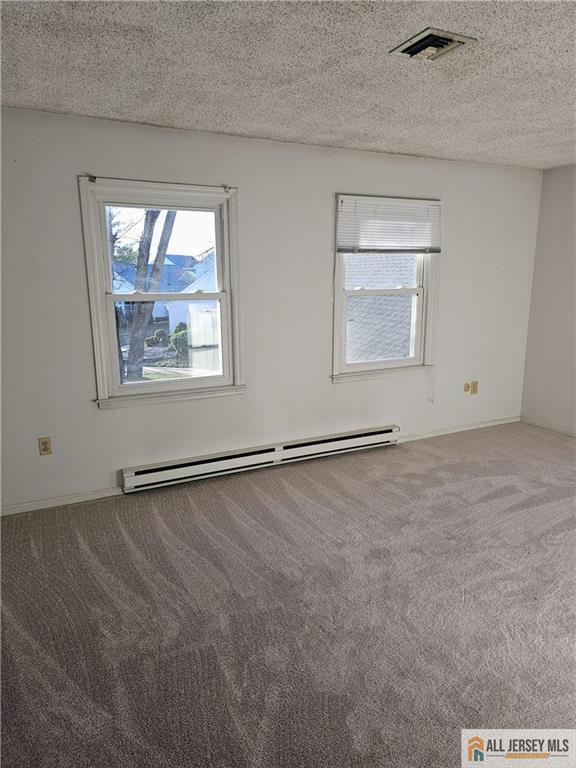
(430, 44)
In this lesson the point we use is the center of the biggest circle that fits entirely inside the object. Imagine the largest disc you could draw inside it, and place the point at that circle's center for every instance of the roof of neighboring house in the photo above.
(367, 270)
(178, 274)
(206, 283)
(379, 327)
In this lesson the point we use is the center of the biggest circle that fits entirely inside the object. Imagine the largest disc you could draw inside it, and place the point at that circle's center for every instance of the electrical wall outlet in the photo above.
(45, 446)
(471, 387)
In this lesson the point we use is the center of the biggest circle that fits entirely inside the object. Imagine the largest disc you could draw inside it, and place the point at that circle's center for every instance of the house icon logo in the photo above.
(475, 750)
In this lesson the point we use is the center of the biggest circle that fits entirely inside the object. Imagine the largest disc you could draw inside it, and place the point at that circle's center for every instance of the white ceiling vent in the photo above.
(430, 44)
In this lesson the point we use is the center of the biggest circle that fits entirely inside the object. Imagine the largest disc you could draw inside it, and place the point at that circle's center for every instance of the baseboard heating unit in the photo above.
(199, 467)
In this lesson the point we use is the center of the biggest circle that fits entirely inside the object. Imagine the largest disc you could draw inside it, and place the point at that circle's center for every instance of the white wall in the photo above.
(550, 377)
(286, 236)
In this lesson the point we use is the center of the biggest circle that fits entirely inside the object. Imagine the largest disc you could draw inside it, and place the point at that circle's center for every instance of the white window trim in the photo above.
(425, 344)
(95, 193)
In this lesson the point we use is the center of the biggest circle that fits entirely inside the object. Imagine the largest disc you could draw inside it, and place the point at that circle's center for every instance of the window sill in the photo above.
(151, 398)
(382, 373)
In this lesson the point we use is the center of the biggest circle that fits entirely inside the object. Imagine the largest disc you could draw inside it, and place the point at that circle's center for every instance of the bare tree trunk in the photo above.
(112, 237)
(143, 257)
(110, 232)
(121, 363)
(138, 332)
(161, 252)
(143, 310)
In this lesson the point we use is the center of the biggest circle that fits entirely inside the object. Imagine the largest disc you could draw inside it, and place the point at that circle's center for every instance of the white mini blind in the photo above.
(387, 224)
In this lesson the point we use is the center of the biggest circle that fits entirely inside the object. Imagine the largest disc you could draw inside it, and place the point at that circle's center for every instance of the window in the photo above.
(384, 267)
(161, 269)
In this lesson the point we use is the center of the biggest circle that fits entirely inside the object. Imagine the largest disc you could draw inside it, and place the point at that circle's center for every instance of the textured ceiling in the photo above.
(308, 72)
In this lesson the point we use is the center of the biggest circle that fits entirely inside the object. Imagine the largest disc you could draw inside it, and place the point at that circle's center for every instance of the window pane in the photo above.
(168, 339)
(380, 328)
(380, 270)
(159, 251)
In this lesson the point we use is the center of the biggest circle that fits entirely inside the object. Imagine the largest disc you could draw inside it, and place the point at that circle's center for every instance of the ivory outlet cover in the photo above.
(45, 446)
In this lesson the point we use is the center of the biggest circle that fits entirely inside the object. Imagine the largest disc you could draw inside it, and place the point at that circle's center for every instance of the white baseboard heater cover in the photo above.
(199, 467)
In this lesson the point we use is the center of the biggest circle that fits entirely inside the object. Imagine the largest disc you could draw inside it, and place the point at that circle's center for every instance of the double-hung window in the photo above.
(383, 275)
(162, 279)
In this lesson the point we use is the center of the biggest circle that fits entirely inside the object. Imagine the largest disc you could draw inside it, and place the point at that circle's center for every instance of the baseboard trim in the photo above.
(59, 501)
(462, 428)
(551, 427)
(75, 498)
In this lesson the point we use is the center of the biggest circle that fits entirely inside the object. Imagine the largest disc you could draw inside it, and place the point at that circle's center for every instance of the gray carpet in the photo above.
(349, 612)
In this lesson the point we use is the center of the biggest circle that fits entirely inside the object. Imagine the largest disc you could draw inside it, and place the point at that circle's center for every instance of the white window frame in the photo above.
(425, 294)
(95, 195)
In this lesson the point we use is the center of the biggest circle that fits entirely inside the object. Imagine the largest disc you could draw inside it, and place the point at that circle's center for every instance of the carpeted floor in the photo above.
(349, 612)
